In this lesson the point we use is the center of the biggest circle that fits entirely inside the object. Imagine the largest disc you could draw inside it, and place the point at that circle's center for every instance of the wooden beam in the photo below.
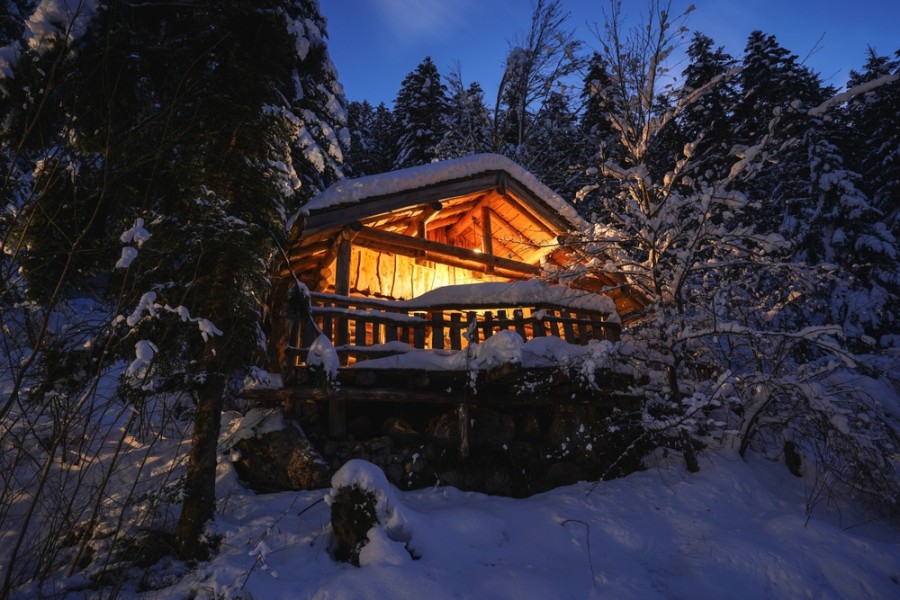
(347, 234)
(487, 239)
(342, 268)
(461, 224)
(535, 219)
(538, 208)
(394, 242)
(345, 213)
(418, 223)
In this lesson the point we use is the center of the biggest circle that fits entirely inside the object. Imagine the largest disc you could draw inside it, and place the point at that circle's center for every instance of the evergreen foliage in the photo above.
(420, 112)
(468, 121)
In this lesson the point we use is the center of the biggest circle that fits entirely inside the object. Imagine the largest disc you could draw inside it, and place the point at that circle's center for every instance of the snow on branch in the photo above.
(148, 304)
(852, 92)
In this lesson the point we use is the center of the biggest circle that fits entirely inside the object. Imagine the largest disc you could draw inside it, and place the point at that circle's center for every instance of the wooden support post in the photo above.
(462, 411)
(487, 239)
(342, 287)
(361, 332)
(471, 323)
(554, 324)
(337, 417)
(333, 252)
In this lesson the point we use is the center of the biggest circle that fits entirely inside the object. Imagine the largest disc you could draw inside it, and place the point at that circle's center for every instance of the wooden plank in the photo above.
(538, 326)
(417, 225)
(419, 334)
(582, 321)
(519, 322)
(487, 325)
(503, 321)
(597, 332)
(471, 323)
(360, 338)
(567, 326)
(456, 330)
(437, 330)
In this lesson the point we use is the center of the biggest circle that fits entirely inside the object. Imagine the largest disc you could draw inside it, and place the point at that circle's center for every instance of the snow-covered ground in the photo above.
(737, 529)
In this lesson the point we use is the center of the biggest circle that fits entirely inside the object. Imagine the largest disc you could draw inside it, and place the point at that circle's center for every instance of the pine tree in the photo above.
(707, 124)
(597, 98)
(553, 149)
(420, 112)
(874, 119)
(209, 125)
(776, 90)
(468, 121)
(317, 102)
(535, 65)
(602, 142)
(770, 79)
(372, 139)
(360, 119)
(872, 147)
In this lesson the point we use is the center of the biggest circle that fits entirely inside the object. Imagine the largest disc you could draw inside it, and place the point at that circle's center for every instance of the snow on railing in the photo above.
(367, 328)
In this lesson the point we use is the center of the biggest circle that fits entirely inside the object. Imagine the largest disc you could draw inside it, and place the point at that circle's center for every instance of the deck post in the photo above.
(337, 417)
(487, 240)
(342, 287)
(462, 411)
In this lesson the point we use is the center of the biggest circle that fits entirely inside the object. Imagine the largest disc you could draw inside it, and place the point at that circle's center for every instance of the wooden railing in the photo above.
(359, 327)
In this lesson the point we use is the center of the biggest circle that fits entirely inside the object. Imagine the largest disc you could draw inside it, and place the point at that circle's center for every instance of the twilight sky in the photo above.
(375, 43)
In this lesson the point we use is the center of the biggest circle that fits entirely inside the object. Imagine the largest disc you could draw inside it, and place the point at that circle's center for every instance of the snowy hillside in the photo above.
(736, 529)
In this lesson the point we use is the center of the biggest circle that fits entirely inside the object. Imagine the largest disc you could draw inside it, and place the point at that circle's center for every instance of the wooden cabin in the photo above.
(377, 243)
(434, 258)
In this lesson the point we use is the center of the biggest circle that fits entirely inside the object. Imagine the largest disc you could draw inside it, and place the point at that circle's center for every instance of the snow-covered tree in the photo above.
(874, 143)
(197, 131)
(373, 139)
(316, 101)
(468, 120)
(554, 146)
(538, 60)
(727, 336)
(708, 120)
(420, 113)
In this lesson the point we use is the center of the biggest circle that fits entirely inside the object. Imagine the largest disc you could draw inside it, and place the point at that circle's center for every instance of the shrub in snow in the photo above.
(365, 510)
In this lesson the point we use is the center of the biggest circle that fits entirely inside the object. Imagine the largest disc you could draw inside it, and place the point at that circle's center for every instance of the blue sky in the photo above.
(375, 43)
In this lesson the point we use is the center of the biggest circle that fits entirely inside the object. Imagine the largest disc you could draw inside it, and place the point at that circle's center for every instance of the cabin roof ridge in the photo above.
(436, 174)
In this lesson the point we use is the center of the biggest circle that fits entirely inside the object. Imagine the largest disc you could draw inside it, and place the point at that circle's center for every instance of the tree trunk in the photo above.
(199, 505)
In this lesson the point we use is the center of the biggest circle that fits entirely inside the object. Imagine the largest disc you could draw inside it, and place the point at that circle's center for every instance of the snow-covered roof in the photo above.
(353, 191)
